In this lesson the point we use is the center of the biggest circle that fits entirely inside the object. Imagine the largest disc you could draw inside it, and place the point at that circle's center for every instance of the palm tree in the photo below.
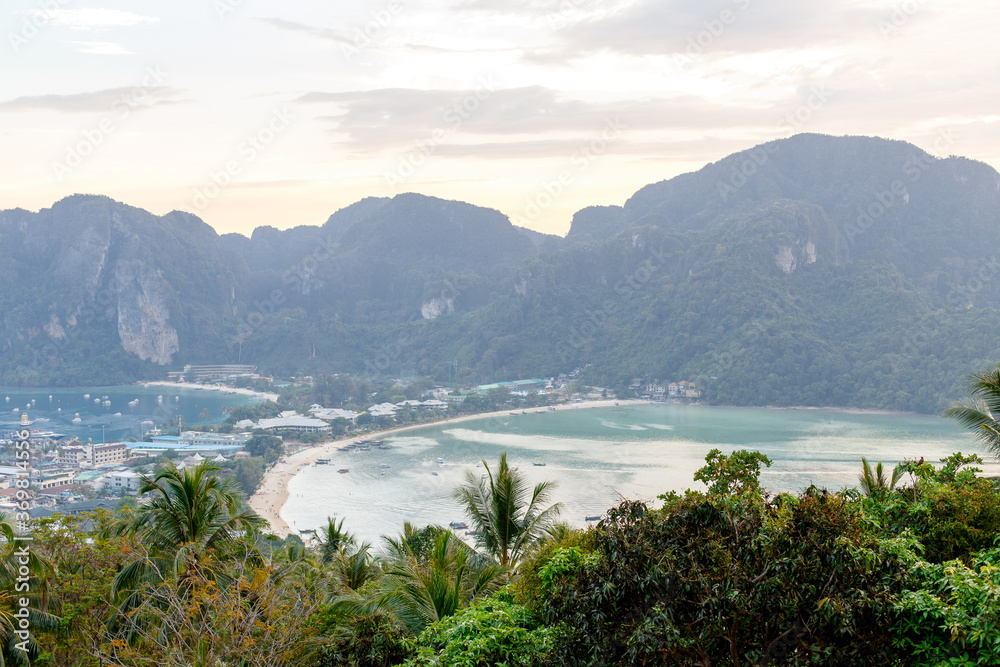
(506, 521)
(193, 519)
(874, 484)
(426, 581)
(978, 412)
(333, 539)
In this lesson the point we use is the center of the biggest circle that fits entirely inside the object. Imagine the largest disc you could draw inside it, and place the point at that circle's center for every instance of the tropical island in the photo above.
(901, 570)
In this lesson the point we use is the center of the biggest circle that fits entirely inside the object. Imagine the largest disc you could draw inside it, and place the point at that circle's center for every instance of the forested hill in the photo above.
(814, 270)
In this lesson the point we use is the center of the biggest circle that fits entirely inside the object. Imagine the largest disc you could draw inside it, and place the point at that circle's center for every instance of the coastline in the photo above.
(272, 494)
(190, 385)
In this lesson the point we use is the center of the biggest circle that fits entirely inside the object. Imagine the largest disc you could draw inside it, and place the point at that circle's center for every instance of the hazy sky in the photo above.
(254, 112)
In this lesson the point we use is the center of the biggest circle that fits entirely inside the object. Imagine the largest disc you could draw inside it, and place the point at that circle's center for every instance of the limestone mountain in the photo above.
(812, 270)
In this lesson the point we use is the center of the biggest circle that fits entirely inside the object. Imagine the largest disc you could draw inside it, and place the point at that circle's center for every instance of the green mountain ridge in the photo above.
(815, 270)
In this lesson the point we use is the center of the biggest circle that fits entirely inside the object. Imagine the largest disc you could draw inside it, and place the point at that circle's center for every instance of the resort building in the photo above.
(296, 423)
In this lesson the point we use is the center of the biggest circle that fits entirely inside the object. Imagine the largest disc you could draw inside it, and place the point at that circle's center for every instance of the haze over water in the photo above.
(600, 455)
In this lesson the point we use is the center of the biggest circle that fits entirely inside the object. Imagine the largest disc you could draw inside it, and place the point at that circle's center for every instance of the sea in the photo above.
(600, 456)
(111, 413)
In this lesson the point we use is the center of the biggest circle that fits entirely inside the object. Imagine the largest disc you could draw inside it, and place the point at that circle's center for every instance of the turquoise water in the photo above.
(600, 455)
(53, 409)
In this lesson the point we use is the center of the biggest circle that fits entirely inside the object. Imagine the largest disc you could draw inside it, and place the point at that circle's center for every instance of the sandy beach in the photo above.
(272, 493)
(233, 390)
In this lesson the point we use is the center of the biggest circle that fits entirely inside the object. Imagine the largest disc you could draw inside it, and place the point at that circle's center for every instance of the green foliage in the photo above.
(951, 615)
(254, 411)
(734, 474)
(698, 583)
(248, 474)
(565, 561)
(953, 512)
(371, 640)
(268, 447)
(493, 631)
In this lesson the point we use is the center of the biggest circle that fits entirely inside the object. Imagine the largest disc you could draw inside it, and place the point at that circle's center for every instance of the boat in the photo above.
(86, 397)
(343, 471)
(440, 461)
(593, 518)
(76, 418)
(540, 465)
(134, 402)
(45, 435)
(458, 525)
(383, 465)
(512, 412)
(97, 401)
(118, 414)
(551, 409)
(16, 410)
(322, 462)
(435, 474)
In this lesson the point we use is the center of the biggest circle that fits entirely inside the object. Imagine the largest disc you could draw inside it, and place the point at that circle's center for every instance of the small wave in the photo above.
(622, 427)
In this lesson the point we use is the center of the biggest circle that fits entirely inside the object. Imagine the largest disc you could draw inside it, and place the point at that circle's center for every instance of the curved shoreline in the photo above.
(272, 494)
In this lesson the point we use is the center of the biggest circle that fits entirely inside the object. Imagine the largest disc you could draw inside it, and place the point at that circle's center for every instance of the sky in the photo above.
(254, 112)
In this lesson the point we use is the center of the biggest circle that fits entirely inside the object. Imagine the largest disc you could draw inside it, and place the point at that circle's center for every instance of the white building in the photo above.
(73, 457)
(320, 412)
(382, 410)
(200, 439)
(124, 481)
(296, 423)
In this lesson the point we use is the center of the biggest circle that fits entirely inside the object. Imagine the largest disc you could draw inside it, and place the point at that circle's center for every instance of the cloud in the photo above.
(666, 27)
(102, 48)
(90, 18)
(534, 121)
(321, 33)
(96, 101)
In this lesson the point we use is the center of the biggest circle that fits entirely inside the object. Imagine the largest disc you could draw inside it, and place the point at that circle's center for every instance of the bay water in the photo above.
(598, 456)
